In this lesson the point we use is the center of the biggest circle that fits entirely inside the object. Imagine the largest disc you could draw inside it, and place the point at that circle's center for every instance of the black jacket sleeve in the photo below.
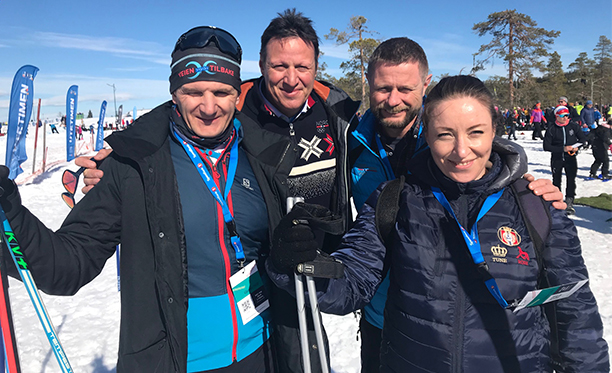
(62, 262)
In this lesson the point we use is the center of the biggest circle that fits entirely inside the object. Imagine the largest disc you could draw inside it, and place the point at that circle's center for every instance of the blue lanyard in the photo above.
(215, 190)
(471, 239)
(383, 156)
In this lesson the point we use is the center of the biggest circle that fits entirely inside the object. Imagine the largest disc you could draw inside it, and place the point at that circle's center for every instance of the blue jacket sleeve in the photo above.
(363, 255)
(580, 330)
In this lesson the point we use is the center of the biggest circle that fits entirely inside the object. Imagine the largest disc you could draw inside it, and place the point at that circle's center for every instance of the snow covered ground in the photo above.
(88, 323)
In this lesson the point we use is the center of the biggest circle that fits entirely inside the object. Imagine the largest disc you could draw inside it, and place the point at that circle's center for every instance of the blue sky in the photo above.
(128, 43)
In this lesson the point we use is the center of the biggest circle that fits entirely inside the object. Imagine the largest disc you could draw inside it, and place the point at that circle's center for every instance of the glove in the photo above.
(294, 241)
(9, 195)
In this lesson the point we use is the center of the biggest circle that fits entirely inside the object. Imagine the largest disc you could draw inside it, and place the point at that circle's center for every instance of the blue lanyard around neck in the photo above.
(216, 191)
(473, 244)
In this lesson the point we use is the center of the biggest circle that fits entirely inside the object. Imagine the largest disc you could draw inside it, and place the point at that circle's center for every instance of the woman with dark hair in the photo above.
(458, 231)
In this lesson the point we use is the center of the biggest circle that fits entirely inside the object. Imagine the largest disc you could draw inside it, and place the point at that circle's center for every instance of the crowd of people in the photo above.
(565, 130)
(195, 192)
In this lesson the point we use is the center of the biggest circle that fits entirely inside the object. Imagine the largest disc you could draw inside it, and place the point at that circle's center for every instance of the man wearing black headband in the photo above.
(188, 193)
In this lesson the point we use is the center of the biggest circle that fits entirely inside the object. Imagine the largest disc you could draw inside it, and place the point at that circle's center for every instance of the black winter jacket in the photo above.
(137, 204)
(439, 316)
(340, 111)
(559, 136)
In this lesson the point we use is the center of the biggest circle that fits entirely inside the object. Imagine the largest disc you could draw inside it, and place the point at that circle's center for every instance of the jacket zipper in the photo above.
(226, 260)
(458, 329)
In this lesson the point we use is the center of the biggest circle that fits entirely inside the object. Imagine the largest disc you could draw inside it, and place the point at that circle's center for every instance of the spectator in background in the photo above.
(536, 119)
(587, 115)
(572, 111)
(562, 140)
(511, 122)
(600, 143)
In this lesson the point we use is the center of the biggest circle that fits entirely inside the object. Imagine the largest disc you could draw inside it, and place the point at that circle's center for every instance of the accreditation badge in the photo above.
(555, 293)
(249, 294)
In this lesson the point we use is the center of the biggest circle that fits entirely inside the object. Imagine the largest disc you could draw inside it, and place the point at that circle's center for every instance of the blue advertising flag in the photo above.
(71, 110)
(135, 113)
(20, 109)
(100, 134)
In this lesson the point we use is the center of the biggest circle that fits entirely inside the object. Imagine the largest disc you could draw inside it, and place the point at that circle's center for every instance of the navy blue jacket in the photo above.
(439, 316)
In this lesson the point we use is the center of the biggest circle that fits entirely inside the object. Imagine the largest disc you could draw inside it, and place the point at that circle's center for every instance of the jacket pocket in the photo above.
(156, 358)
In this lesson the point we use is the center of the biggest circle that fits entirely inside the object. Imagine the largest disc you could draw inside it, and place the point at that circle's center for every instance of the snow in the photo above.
(88, 322)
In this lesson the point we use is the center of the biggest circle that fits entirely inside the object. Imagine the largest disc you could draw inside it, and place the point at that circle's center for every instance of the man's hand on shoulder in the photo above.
(91, 176)
(546, 189)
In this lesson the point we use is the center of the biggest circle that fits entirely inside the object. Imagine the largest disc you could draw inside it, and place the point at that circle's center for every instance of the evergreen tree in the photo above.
(90, 114)
(516, 40)
(554, 79)
(360, 48)
(602, 80)
(582, 71)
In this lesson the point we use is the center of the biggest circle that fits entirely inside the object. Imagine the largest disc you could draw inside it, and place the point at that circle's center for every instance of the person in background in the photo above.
(573, 113)
(563, 139)
(600, 143)
(440, 315)
(597, 115)
(511, 123)
(536, 119)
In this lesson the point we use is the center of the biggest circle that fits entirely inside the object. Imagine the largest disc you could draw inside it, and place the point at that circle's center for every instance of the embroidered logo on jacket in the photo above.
(508, 236)
(499, 254)
(523, 257)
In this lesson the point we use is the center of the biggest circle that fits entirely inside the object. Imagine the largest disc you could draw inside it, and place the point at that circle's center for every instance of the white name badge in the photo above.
(542, 296)
(248, 290)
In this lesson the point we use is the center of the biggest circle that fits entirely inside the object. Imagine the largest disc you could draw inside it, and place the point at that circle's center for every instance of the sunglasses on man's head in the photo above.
(199, 37)
(563, 115)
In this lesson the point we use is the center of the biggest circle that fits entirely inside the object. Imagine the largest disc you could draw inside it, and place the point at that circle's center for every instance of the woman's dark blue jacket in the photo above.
(439, 316)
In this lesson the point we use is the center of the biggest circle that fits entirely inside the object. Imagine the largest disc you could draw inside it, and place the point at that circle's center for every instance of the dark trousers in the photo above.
(371, 337)
(512, 131)
(601, 159)
(570, 164)
(537, 131)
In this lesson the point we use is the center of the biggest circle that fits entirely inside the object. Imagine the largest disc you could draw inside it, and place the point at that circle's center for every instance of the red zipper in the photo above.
(226, 260)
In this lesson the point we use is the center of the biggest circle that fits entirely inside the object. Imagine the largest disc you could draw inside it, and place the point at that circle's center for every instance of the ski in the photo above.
(28, 281)
(9, 344)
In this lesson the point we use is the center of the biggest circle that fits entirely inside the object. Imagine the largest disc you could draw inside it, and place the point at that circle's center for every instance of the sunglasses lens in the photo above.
(564, 115)
(69, 199)
(70, 181)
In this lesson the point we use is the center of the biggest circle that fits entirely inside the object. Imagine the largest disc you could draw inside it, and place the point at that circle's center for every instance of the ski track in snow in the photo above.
(88, 322)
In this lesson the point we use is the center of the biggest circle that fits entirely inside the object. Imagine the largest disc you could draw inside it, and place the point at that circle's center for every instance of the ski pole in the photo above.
(316, 320)
(301, 304)
(314, 308)
(28, 281)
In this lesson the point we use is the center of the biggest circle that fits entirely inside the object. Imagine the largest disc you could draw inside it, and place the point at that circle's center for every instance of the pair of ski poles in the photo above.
(26, 276)
(306, 272)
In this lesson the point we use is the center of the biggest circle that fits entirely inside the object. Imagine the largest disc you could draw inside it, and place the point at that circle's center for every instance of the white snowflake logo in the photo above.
(310, 148)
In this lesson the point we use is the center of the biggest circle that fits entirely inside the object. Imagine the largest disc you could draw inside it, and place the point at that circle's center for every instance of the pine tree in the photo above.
(516, 40)
(554, 79)
(360, 48)
(603, 65)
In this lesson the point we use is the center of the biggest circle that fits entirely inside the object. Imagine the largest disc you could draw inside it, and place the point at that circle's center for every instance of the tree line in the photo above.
(515, 39)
